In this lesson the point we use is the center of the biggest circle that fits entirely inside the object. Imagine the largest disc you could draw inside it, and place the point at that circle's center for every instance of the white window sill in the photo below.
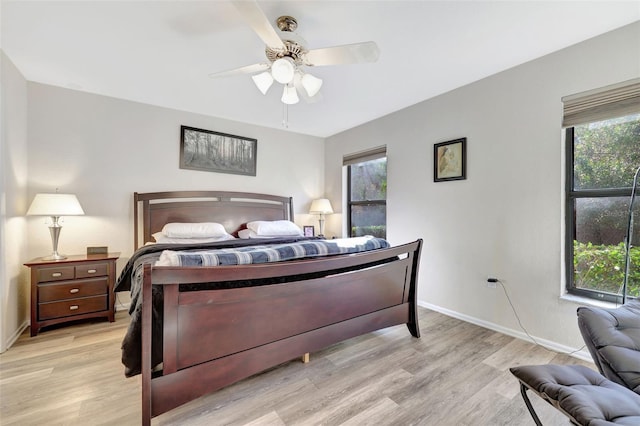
(587, 301)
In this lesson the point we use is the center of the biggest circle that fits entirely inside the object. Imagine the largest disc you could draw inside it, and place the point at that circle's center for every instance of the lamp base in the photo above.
(54, 229)
(55, 256)
(321, 223)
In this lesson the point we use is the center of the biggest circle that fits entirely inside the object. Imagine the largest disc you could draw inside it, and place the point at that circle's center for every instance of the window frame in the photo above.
(571, 195)
(351, 203)
(357, 158)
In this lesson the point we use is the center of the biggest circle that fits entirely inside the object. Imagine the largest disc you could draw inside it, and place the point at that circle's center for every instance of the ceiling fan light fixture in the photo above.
(289, 95)
(283, 70)
(311, 84)
(263, 81)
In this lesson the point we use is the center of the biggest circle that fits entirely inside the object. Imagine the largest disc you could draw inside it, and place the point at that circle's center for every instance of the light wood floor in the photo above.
(456, 374)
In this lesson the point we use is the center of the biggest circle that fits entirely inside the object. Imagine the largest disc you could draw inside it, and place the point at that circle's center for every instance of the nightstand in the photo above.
(78, 287)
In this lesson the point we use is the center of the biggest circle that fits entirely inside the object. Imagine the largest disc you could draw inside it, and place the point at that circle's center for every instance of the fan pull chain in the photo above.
(285, 116)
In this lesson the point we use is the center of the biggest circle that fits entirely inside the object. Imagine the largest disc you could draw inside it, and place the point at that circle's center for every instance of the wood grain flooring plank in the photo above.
(269, 419)
(382, 412)
(344, 400)
(518, 352)
(240, 407)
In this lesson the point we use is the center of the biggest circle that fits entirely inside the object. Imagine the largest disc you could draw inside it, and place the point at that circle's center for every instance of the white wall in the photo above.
(506, 219)
(14, 286)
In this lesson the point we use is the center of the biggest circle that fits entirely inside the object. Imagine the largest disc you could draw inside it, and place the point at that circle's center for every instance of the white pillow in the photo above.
(162, 238)
(246, 234)
(194, 230)
(274, 228)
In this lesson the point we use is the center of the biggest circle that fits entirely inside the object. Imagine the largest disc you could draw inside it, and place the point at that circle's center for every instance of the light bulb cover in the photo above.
(263, 81)
(289, 95)
(311, 84)
(283, 70)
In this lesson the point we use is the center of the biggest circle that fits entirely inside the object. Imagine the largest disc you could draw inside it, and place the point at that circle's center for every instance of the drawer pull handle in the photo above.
(74, 290)
(73, 307)
(91, 271)
(56, 274)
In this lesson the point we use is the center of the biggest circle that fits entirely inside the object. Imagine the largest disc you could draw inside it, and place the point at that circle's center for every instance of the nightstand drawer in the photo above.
(54, 292)
(72, 307)
(56, 274)
(91, 270)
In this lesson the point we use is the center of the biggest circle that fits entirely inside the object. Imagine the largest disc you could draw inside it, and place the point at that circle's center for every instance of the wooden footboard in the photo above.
(213, 338)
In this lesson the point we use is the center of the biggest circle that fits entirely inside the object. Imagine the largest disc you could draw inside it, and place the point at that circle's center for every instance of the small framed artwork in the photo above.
(450, 160)
(211, 151)
(309, 231)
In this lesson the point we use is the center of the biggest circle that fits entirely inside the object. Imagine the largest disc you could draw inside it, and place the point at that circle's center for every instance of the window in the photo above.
(367, 193)
(603, 153)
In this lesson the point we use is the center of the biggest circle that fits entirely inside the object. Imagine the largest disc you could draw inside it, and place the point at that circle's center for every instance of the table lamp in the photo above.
(321, 206)
(55, 205)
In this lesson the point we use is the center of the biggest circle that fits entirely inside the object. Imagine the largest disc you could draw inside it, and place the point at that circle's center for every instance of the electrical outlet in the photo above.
(491, 282)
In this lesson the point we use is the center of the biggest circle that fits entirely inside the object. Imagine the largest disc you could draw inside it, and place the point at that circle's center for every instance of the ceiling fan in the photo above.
(287, 56)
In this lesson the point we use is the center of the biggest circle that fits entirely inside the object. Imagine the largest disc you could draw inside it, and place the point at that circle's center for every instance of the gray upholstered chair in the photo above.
(586, 397)
(613, 339)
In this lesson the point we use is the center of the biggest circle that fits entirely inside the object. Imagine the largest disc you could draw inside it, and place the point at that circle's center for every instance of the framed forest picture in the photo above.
(211, 151)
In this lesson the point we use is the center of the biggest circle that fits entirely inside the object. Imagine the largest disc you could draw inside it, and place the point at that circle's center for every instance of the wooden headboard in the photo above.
(152, 210)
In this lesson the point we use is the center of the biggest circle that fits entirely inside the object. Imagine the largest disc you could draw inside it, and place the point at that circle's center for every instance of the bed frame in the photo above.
(213, 338)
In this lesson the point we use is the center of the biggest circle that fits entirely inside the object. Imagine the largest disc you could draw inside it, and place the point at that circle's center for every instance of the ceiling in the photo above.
(161, 52)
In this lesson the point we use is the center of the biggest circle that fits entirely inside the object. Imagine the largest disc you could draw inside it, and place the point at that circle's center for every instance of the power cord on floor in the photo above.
(515, 313)
(122, 305)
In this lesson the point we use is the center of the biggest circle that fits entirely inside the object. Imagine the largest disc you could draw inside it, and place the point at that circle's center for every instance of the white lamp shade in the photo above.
(55, 205)
(283, 70)
(263, 81)
(289, 95)
(322, 206)
(311, 84)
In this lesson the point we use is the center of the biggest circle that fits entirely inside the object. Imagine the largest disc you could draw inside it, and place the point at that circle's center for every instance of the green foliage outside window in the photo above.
(379, 231)
(601, 267)
(369, 180)
(607, 153)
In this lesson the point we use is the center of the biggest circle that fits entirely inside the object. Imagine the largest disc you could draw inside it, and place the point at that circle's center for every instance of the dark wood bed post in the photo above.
(414, 327)
(135, 221)
(146, 346)
(291, 209)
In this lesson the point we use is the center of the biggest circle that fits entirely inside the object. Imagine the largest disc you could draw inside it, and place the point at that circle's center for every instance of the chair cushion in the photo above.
(582, 394)
(613, 339)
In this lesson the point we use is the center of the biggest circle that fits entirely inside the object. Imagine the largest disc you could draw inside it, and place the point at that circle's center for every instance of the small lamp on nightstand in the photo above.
(55, 205)
(321, 206)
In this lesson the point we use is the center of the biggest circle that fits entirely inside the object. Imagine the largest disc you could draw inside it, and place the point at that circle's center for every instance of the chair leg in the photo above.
(523, 392)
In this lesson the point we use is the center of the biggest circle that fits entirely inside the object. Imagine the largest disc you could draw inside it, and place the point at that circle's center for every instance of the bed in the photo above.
(201, 328)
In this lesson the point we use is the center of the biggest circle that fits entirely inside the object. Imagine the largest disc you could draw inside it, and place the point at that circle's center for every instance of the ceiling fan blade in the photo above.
(346, 54)
(258, 21)
(249, 69)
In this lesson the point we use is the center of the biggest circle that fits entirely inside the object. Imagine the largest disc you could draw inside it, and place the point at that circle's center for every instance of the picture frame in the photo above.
(309, 231)
(210, 151)
(450, 160)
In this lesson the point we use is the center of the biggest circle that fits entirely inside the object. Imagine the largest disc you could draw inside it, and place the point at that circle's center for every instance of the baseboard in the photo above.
(554, 346)
(12, 339)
